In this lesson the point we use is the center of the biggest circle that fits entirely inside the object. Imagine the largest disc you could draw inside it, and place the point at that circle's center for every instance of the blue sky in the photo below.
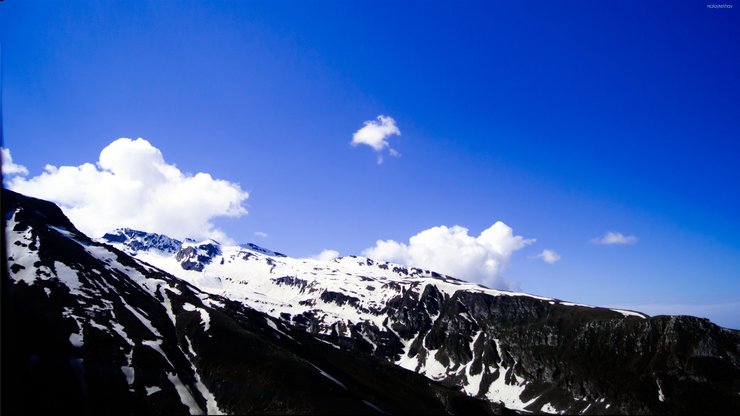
(563, 120)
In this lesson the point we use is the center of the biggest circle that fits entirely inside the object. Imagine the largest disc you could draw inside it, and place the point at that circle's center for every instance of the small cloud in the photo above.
(454, 251)
(325, 255)
(260, 234)
(612, 238)
(548, 256)
(10, 168)
(376, 133)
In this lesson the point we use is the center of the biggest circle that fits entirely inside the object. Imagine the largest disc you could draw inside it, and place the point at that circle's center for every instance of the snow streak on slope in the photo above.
(93, 285)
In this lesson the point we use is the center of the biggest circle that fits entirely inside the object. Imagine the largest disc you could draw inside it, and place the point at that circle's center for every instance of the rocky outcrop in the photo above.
(196, 257)
(134, 241)
(557, 358)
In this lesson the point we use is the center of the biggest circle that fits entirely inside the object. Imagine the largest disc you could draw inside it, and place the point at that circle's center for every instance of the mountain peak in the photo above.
(132, 241)
(259, 249)
(195, 243)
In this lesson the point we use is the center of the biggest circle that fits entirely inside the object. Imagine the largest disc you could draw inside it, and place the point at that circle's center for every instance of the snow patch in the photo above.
(661, 396)
(576, 304)
(63, 231)
(409, 363)
(433, 368)
(186, 397)
(128, 372)
(630, 313)
(69, 277)
(76, 339)
(204, 316)
(272, 325)
(211, 404)
(97, 326)
(19, 250)
(157, 346)
(472, 387)
(118, 328)
(147, 323)
(374, 407)
(508, 394)
(325, 374)
(168, 306)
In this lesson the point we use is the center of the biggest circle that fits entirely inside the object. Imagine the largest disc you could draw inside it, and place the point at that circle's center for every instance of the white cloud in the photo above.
(260, 234)
(131, 185)
(549, 256)
(615, 238)
(10, 168)
(376, 133)
(325, 255)
(452, 251)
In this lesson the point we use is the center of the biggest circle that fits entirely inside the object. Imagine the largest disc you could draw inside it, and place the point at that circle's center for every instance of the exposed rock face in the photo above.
(567, 359)
(583, 359)
(133, 241)
(196, 257)
(255, 247)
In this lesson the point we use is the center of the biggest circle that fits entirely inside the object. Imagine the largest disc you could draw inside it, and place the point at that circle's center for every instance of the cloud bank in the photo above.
(452, 251)
(612, 238)
(549, 256)
(10, 168)
(132, 185)
(376, 133)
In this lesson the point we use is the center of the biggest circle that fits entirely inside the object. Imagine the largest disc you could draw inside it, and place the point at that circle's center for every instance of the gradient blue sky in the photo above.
(565, 120)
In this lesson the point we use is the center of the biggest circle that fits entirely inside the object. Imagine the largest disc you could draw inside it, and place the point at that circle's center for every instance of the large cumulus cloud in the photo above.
(132, 185)
(452, 251)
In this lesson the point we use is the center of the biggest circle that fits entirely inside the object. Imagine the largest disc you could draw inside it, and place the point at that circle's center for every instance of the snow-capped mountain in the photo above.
(529, 353)
(142, 323)
(89, 329)
(133, 241)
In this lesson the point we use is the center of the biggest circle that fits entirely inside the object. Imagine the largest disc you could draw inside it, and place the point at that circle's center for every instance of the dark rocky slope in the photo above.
(575, 359)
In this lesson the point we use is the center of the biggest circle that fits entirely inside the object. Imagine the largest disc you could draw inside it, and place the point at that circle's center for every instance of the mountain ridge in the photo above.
(98, 331)
(431, 324)
(525, 352)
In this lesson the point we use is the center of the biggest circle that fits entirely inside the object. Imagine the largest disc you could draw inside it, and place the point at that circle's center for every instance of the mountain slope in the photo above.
(89, 329)
(527, 352)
